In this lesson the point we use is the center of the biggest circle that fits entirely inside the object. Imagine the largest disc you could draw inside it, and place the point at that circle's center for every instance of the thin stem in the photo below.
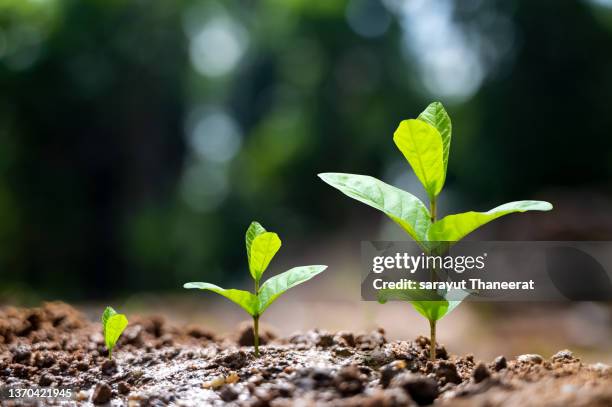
(432, 340)
(432, 323)
(256, 335)
(256, 323)
(432, 209)
(110, 354)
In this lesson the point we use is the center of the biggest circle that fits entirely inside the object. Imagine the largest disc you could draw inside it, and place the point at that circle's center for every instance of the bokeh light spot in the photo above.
(368, 18)
(217, 47)
(215, 137)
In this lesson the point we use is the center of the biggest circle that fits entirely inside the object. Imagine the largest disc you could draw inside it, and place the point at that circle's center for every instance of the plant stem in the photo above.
(110, 354)
(432, 209)
(432, 323)
(256, 335)
(432, 340)
(256, 324)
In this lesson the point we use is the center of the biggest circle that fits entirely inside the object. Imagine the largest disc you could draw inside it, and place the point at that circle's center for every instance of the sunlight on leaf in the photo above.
(113, 325)
(402, 207)
(436, 116)
(263, 249)
(244, 299)
(278, 284)
(453, 228)
(421, 144)
(255, 229)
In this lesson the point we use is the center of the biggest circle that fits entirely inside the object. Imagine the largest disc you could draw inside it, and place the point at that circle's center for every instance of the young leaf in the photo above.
(428, 303)
(404, 208)
(436, 116)
(263, 249)
(244, 299)
(113, 325)
(422, 146)
(255, 229)
(278, 284)
(432, 310)
(453, 228)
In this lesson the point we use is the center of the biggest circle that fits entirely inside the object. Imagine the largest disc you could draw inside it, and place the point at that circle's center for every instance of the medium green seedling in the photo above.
(113, 325)
(261, 247)
(425, 143)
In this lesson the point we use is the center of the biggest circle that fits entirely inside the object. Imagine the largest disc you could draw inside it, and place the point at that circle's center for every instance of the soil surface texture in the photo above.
(156, 364)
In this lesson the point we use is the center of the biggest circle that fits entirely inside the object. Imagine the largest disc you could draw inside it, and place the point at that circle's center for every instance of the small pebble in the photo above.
(45, 380)
(215, 383)
(422, 389)
(500, 363)
(325, 340)
(21, 355)
(480, 373)
(123, 388)
(388, 372)
(228, 393)
(102, 394)
(109, 367)
(82, 395)
(343, 352)
(530, 358)
(447, 371)
(563, 355)
(232, 378)
(345, 337)
(349, 381)
(601, 368)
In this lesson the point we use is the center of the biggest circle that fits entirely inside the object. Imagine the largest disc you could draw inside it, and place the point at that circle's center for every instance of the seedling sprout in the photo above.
(113, 325)
(425, 143)
(261, 247)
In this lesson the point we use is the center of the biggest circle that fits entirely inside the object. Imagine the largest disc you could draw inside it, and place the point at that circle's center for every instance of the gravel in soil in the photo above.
(156, 364)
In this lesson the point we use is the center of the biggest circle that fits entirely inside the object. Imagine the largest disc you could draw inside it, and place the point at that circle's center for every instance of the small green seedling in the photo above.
(425, 143)
(261, 246)
(113, 325)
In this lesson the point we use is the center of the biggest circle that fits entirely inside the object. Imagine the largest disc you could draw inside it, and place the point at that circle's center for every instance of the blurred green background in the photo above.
(139, 138)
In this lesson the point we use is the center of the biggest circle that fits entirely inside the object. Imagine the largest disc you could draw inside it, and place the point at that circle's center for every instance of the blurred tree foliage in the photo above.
(139, 138)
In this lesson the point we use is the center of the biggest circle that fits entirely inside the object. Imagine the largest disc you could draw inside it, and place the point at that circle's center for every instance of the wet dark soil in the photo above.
(157, 364)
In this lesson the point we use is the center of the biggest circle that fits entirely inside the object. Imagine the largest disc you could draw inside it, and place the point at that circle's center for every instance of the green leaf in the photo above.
(278, 284)
(422, 146)
(427, 302)
(255, 229)
(113, 325)
(244, 299)
(436, 116)
(432, 310)
(108, 312)
(453, 228)
(404, 208)
(431, 304)
(263, 249)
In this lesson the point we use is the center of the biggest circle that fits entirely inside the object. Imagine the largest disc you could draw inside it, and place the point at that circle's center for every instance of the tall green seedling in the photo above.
(425, 143)
(261, 247)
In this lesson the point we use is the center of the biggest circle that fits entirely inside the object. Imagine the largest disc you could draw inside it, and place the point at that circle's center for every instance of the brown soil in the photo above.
(158, 364)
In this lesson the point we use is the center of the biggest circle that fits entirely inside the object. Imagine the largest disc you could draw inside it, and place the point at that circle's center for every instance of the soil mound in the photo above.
(158, 364)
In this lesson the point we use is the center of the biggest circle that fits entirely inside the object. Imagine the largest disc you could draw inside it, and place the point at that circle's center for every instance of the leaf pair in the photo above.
(432, 305)
(261, 246)
(113, 325)
(413, 216)
(255, 305)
